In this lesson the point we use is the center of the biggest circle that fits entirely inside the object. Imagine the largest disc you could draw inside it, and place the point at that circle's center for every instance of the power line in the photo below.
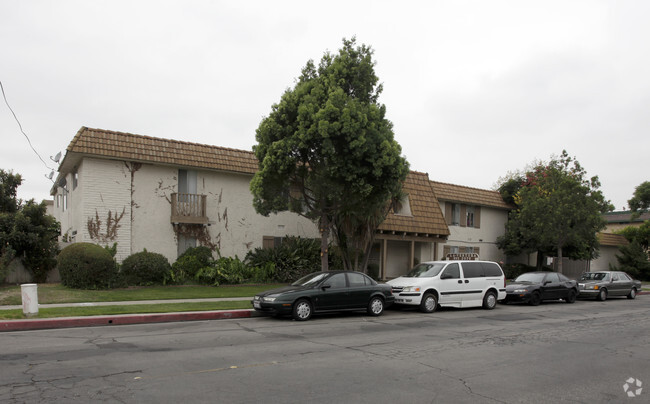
(21, 127)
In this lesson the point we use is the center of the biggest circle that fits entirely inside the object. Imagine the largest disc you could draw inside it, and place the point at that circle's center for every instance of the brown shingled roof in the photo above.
(127, 146)
(427, 218)
(463, 194)
(609, 239)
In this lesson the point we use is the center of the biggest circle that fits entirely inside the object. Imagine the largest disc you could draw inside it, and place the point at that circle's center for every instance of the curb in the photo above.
(124, 319)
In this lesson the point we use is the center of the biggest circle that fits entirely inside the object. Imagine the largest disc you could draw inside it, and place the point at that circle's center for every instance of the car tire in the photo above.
(490, 300)
(429, 303)
(632, 294)
(602, 295)
(376, 306)
(302, 310)
(535, 299)
(571, 296)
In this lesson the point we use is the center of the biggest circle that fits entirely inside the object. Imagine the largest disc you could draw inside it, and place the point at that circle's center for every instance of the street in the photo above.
(556, 352)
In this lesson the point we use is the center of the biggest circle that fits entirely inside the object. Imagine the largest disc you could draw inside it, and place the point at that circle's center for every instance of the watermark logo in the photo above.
(633, 387)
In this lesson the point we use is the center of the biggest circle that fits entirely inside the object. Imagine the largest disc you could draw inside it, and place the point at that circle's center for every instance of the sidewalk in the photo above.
(124, 319)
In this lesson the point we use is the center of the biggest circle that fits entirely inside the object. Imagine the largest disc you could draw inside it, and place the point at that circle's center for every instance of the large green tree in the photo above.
(640, 201)
(327, 150)
(558, 211)
(27, 232)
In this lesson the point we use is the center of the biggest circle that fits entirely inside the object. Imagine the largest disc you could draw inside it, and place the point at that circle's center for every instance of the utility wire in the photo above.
(21, 127)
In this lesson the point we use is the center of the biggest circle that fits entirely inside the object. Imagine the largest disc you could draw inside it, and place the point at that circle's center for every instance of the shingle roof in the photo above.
(427, 218)
(625, 217)
(463, 194)
(609, 239)
(127, 146)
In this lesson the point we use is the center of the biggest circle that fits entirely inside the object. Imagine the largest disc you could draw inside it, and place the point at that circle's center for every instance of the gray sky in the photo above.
(475, 89)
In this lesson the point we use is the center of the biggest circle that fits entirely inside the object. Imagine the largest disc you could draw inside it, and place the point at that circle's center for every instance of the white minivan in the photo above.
(451, 284)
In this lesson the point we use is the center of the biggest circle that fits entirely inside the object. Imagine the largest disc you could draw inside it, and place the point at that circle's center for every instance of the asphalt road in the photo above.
(556, 352)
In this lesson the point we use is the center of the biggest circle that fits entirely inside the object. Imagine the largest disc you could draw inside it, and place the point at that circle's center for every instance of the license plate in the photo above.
(256, 304)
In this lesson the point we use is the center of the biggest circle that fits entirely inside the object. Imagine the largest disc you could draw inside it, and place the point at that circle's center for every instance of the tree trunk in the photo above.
(540, 260)
(324, 238)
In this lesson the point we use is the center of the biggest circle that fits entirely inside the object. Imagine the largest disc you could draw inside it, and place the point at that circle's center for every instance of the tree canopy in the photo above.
(558, 211)
(327, 150)
(27, 232)
(640, 201)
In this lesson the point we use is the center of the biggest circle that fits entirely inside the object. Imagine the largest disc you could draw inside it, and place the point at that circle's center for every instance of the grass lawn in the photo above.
(56, 293)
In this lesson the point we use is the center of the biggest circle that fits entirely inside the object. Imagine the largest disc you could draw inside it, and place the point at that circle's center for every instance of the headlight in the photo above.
(595, 287)
(269, 298)
(411, 289)
(521, 291)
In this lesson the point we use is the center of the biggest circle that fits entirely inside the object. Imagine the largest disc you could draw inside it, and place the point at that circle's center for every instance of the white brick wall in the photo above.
(106, 186)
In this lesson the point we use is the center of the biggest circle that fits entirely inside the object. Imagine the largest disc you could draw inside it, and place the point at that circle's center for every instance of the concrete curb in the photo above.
(125, 319)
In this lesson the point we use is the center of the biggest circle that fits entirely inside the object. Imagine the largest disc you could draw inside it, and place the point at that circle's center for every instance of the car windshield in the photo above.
(425, 270)
(594, 276)
(531, 277)
(310, 279)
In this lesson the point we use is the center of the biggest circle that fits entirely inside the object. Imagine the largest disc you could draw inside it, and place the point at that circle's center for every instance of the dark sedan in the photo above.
(603, 284)
(326, 292)
(534, 287)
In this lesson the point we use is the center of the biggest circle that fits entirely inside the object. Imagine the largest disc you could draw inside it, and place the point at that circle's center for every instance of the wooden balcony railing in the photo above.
(189, 208)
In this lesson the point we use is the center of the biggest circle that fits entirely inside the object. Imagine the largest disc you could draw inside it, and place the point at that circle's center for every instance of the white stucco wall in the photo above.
(492, 225)
(235, 227)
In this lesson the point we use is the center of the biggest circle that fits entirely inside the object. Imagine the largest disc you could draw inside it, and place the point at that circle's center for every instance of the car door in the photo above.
(473, 283)
(451, 286)
(360, 289)
(333, 293)
(622, 284)
(551, 287)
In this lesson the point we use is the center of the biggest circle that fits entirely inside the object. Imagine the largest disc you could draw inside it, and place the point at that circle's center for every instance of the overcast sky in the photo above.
(475, 89)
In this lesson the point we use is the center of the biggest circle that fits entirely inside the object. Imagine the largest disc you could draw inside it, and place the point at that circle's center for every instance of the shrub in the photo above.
(294, 258)
(145, 268)
(226, 270)
(189, 263)
(86, 266)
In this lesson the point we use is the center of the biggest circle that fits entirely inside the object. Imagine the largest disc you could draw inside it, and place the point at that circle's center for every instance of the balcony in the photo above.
(188, 208)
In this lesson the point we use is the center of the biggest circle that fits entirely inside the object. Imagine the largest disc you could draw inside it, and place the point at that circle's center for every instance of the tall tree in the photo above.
(327, 151)
(558, 211)
(27, 232)
(640, 201)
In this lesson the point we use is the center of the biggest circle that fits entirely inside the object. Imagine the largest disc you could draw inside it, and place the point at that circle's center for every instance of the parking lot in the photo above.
(555, 352)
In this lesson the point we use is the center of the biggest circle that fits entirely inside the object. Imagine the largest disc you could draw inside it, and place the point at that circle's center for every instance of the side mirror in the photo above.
(445, 276)
(324, 287)
(547, 282)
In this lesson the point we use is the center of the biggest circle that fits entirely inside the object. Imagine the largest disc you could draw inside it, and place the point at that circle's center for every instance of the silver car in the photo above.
(601, 284)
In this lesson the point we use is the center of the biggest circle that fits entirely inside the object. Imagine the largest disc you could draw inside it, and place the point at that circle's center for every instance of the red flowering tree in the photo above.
(558, 212)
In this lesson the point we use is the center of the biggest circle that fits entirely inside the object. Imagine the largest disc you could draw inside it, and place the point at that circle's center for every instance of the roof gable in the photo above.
(426, 218)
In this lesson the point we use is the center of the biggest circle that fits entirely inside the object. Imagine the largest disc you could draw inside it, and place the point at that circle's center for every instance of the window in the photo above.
(469, 216)
(336, 281)
(403, 207)
(271, 242)
(65, 200)
(491, 269)
(356, 280)
(75, 180)
(455, 214)
(553, 278)
(451, 272)
(473, 269)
